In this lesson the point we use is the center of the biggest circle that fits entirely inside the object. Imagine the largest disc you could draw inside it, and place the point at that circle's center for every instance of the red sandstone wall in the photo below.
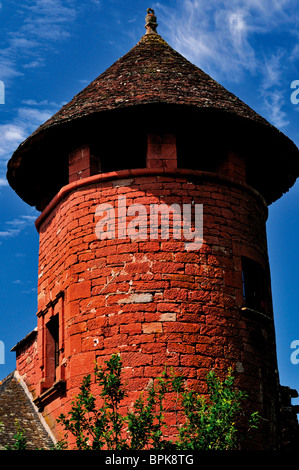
(27, 359)
(151, 300)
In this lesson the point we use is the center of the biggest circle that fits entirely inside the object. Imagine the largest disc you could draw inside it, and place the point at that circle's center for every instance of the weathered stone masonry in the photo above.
(153, 301)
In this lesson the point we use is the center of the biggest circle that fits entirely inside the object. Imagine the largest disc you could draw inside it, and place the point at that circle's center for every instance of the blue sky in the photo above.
(51, 49)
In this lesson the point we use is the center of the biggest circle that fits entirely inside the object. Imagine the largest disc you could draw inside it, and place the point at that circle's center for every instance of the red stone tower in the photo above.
(153, 130)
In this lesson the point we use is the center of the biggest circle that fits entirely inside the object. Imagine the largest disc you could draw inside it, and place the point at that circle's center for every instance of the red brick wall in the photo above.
(82, 164)
(151, 300)
(161, 151)
(27, 359)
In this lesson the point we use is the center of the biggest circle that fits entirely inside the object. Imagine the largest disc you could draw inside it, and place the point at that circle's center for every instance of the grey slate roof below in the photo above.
(15, 405)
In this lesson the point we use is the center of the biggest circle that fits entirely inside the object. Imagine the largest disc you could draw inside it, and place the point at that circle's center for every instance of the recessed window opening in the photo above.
(52, 347)
(121, 151)
(203, 153)
(253, 284)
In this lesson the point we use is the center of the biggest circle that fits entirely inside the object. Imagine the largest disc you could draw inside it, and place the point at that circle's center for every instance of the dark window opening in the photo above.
(52, 347)
(120, 151)
(203, 153)
(253, 284)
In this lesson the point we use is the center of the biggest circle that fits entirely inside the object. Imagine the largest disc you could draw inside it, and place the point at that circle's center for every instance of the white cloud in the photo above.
(8, 68)
(274, 103)
(27, 119)
(41, 23)
(272, 90)
(272, 70)
(40, 62)
(48, 19)
(3, 182)
(11, 133)
(219, 34)
(228, 40)
(10, 136)
(14, 227)
(22, 43)
(34, 115)
(8, 233)
(31, 102)
(212, 35)
(295, 53)
(97, 3)
(25, 284)
(33, 290)
(21, 221)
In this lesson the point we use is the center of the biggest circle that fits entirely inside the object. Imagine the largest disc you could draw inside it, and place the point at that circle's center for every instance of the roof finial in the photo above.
(151, 22)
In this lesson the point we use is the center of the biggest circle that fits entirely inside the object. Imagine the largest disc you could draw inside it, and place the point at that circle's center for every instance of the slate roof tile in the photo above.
(151, 74)
(15, 405)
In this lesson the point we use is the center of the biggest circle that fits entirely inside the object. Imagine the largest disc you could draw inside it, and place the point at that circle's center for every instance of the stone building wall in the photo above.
(152, 300)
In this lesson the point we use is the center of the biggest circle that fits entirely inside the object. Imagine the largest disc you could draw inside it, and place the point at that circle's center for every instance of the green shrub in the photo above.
(20, 441)
(210, 423)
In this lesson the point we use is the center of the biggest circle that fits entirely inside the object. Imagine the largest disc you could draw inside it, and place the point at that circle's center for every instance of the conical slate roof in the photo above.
(151, 72)
(153, 76)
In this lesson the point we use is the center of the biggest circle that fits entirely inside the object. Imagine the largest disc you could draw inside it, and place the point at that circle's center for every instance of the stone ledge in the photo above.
(115, 176)
(57, 389)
